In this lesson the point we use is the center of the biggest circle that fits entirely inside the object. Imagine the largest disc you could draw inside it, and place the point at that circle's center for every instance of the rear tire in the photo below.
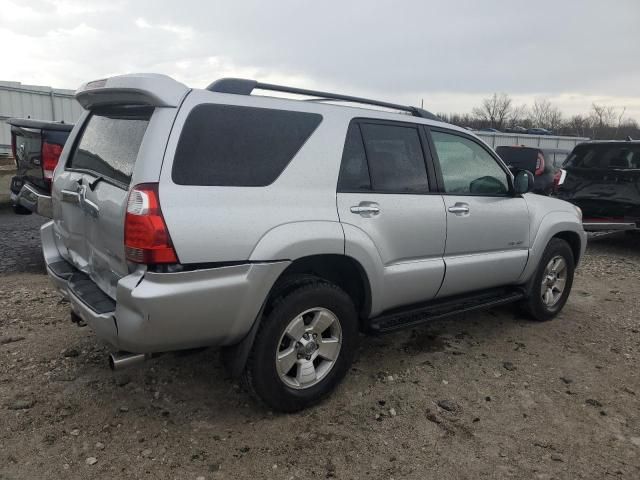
(20, 210)
(304, 347)
(552, 282)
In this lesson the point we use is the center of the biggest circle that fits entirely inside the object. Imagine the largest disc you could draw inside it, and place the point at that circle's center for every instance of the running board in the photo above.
(417, 315)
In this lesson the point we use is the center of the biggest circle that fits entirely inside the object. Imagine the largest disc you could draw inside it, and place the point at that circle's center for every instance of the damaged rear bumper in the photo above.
(158, 312)
(33, 199)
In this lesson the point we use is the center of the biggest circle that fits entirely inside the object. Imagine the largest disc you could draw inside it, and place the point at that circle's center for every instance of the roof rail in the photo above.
(241, 86)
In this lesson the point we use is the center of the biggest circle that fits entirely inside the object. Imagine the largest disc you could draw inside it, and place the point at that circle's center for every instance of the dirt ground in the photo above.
(489, 395)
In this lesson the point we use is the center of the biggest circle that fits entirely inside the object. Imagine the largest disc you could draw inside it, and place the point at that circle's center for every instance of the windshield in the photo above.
(617, 156)
(519, 158)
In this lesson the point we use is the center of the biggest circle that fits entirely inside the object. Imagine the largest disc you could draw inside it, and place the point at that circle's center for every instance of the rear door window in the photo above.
(354, 171)
(395, 158)
(228, 145)
(110, 142)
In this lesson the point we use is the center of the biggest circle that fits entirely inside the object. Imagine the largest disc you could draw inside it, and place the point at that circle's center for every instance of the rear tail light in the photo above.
(539, 164)
(14, 148)
(50, 156)
(558, 179)
(146, 238)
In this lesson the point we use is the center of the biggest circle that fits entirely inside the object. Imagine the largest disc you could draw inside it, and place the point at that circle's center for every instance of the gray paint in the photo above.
(412, 250)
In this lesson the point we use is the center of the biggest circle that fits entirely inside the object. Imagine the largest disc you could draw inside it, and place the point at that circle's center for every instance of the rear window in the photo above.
(27, 146)
(518, 157)
(383, 158)
(614, 156)
(228, 145)
(110, 142)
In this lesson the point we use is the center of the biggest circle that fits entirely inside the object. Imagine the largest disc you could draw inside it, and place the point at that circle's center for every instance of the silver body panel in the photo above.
(411, 248)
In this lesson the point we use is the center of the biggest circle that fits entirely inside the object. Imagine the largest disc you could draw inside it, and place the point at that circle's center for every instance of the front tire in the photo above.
(552, 282)
(303, 348)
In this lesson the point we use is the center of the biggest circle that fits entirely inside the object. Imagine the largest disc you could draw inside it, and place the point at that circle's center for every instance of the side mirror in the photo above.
(523, 182)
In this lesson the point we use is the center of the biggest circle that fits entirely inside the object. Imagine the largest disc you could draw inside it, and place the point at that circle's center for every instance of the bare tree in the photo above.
(579, 125)
(494, 110)
(518, 115)
(624, 109)
(602, 118)
(545, 115)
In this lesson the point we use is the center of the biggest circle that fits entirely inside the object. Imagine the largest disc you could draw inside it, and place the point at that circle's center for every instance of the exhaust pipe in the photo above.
(119, 360)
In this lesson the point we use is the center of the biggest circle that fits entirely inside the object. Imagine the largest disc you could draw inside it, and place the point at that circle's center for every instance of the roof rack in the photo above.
(241, 86)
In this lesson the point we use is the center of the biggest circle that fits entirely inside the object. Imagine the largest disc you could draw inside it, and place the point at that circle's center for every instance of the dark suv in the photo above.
(603, 179)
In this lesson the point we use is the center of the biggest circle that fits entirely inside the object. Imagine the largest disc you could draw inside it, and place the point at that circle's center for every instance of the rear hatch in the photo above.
(91, 193)
(519, 158)
(603, 179)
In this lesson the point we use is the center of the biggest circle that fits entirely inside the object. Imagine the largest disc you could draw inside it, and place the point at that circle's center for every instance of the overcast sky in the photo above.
(450, 53)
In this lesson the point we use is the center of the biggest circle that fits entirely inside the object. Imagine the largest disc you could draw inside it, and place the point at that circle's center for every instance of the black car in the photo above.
(539, 131)
(518, 157)
(603, 179)
(36, 146)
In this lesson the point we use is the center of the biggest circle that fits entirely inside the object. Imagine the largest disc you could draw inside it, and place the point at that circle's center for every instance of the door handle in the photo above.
(366, 209)
(459, 208)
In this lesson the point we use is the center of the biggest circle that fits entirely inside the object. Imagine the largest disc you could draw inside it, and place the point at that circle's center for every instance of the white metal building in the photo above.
(542, 141)
(36, 102)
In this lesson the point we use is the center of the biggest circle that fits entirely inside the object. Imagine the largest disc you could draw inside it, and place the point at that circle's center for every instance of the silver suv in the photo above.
(279, 229)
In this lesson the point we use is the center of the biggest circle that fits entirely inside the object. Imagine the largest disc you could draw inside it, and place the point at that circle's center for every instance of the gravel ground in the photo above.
(489, 395)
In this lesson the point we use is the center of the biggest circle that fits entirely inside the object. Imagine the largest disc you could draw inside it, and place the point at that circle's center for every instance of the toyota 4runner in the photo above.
(279, 229)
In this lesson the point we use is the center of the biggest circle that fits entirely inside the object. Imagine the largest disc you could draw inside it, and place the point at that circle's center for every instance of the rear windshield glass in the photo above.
(227, 145)
(613, 156)
(110, 142)
(518, 157)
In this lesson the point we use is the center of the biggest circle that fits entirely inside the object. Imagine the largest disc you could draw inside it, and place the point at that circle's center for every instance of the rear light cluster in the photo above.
(50, 156)
(14, 148)
(539, 165)
(558, 179)
(146, 238)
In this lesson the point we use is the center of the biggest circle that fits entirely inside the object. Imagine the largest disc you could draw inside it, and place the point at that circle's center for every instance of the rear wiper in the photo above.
(93, 184)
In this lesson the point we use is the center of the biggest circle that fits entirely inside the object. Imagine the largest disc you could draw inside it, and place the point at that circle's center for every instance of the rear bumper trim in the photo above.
(601, 226)
(30, 198)
(159, 312)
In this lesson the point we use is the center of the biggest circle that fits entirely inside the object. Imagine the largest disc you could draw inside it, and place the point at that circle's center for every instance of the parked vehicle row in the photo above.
(278, 229)
(518, 129)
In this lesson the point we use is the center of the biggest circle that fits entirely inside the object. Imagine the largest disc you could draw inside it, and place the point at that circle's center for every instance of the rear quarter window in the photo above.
(618, 156)
(110, 142)
(228, 145)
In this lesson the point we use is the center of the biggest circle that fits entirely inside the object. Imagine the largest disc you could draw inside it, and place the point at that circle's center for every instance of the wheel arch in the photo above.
(573, 239)
(557, 224)
(346, 272)
(341, 270)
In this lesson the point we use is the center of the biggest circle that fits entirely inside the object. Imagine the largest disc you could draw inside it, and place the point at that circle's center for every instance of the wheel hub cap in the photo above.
(308, 348)
(554, 281)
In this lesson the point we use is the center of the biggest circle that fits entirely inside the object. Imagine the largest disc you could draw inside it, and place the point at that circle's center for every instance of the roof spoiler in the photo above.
(135, 89)
(242, 86)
